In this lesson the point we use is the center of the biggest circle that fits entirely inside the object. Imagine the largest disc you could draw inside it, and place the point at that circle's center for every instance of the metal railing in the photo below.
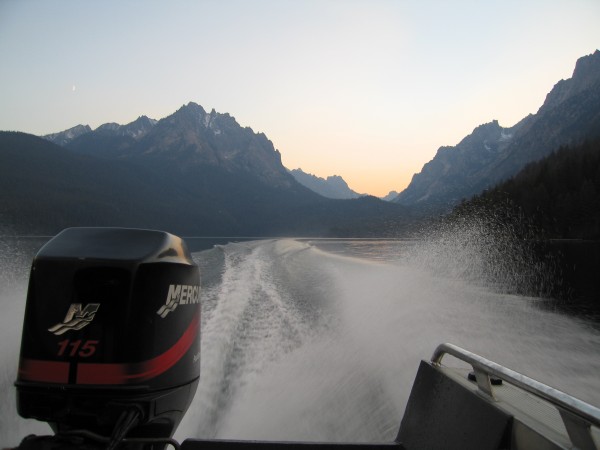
(578, 416)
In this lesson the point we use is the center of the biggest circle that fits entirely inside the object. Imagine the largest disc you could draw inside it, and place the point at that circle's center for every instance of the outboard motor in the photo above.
(111, 334)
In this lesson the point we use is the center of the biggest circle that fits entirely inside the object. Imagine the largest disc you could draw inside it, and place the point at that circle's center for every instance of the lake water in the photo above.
(321, 339)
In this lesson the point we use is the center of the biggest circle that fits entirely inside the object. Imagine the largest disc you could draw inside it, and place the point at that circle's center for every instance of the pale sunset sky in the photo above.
(368, 90)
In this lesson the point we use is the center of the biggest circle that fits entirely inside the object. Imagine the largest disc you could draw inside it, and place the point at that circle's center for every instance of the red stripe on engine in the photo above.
(88, 373)
(44, 371)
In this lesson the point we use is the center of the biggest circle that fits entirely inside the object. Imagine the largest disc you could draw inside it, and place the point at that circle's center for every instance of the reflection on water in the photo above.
(388, 250)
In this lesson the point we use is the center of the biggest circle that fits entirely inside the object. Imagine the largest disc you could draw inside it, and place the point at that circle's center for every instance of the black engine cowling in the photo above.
(112, 324)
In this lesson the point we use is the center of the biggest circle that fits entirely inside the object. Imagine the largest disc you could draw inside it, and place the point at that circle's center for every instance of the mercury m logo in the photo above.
(76, 318)
(179, 294)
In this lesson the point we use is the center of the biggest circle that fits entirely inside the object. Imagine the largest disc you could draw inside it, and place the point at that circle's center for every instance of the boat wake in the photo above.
(298, 343)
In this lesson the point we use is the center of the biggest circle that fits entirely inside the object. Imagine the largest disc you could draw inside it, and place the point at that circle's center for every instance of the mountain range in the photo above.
(112, 139)
(201, 173)
(331, 187)
(191, 173)
(491, 153)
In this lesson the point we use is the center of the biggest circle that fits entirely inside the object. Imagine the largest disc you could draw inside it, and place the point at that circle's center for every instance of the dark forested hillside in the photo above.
(45, 188)
(559, 195)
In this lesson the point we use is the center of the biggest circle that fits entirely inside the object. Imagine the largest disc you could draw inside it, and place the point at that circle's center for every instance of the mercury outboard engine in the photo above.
(111, 335)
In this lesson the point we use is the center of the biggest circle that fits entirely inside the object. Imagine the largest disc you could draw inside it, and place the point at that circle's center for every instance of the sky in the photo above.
(364, 89)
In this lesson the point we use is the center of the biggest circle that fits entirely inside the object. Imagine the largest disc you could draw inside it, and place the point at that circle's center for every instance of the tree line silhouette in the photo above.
(557, 197)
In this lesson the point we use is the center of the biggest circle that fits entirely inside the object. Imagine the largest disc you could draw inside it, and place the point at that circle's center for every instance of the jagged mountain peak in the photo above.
(333, 186)
(487, 132)
(587, 68)
(62, 138)
(136, 129)
(585, 76)
(195, 116)
(144, 120)
(108, 127)
(390, 196)
(485, 138)
(139, 127)
(196, 111)
(189, 138)
(191, 109)
(443, 179)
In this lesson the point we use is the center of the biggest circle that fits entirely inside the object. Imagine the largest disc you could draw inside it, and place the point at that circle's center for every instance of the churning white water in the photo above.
(15, 260)
(303, 343)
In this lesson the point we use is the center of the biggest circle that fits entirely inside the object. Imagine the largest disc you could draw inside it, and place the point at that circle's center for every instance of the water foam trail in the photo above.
(305, 345)
(14, 264)
(349, 377)
(320, 390)
(248, 321)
